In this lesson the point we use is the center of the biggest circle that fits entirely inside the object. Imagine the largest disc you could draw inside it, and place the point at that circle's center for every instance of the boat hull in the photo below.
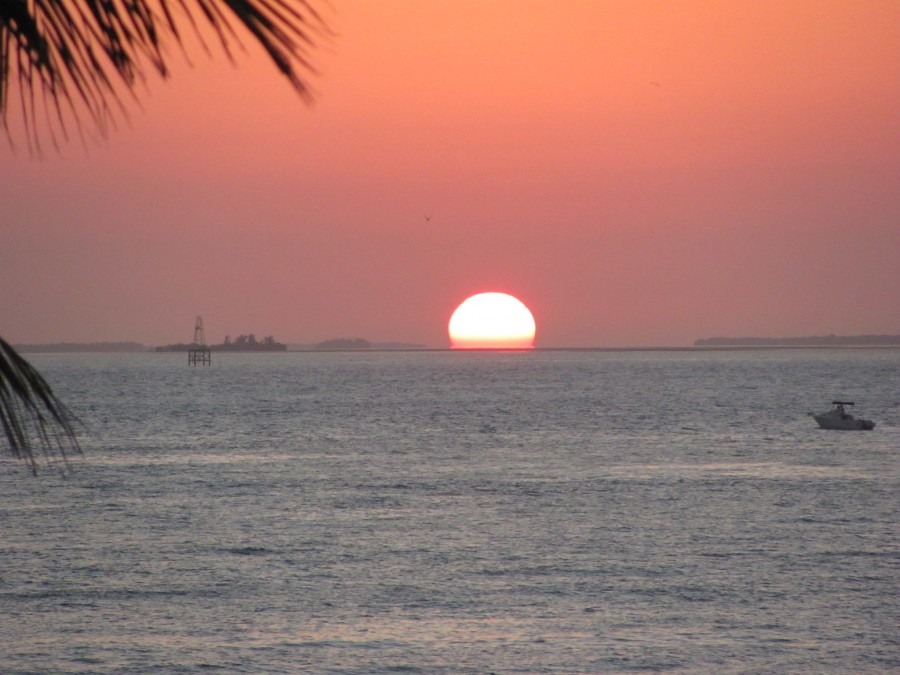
(836, 422)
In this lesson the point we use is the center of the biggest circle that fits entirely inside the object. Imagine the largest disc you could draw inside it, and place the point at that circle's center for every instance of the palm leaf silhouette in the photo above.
(73, 59)
(30, 413)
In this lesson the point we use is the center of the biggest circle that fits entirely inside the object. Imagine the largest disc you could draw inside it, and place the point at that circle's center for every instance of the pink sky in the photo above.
(638, 173)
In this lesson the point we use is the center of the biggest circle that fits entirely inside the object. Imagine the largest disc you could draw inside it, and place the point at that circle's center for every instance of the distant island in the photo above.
(354, 344)
(812, 341)
(343, 344)
(51, 347)
(242, 343)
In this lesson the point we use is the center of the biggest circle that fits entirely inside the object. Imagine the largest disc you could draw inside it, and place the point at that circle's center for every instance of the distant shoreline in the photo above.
(359, 345)
(74, 348)
(811, 341)
(81, 347)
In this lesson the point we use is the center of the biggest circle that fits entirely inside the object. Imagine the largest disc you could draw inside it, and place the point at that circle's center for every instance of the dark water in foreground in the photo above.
(546, 512)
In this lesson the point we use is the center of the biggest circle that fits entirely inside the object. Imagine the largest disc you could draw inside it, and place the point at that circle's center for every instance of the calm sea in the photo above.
(448, 512)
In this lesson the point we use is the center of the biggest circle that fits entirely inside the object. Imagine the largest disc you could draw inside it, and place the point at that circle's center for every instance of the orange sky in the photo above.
(639, 173)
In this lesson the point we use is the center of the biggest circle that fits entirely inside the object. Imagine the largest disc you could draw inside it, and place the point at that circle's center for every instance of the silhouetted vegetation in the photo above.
(31, 416)
(249, 343)
(72, 60)
(242, 343)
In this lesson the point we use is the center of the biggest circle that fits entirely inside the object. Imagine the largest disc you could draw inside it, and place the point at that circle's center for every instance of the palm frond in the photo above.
(71, 59)
(31, 415)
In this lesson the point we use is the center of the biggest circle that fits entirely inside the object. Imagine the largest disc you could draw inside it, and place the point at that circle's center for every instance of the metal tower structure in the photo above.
(198, 352)
(199, 337)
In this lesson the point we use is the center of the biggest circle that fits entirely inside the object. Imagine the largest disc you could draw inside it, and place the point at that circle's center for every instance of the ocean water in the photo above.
(449, 512)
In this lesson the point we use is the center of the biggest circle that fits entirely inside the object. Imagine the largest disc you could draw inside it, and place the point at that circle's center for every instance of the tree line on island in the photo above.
(242, 343)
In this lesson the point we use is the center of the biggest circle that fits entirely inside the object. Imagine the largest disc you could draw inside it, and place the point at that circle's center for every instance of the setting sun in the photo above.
(492, 321)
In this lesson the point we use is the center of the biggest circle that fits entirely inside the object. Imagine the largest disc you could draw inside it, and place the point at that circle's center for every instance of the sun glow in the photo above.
(492, 321)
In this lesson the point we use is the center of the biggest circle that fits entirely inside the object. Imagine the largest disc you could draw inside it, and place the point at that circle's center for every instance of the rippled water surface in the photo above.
(438, 512)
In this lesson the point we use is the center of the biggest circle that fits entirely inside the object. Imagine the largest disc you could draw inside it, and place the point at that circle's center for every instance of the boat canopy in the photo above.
(842, 403)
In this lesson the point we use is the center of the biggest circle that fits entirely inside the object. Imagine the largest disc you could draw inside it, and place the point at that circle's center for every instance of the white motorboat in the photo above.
(839, 418)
